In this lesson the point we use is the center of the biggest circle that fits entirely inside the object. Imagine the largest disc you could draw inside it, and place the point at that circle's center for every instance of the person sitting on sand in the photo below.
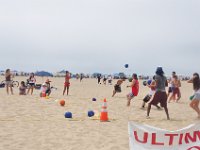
(117, 87)
(67, 83)
(22, 88)
(160, 96)
(152, 91)
(176, 94)
(134, 89)
(196, 96)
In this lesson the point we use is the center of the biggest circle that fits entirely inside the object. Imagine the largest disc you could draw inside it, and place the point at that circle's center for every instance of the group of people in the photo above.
(26, 87)
(156, 95)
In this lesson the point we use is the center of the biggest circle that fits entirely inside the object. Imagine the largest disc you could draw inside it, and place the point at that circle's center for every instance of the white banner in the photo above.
(144, 137)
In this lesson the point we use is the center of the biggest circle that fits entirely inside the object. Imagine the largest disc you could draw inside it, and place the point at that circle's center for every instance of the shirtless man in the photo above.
(117, 87)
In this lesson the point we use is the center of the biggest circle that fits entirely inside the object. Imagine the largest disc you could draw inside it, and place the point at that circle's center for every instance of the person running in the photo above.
(152, 91)
(31, 83)
(134, 89)
(67, 83)
(160, 95)
(176, 94)
(117, 87)
(8, 76)
(22, 88)
(196, 96)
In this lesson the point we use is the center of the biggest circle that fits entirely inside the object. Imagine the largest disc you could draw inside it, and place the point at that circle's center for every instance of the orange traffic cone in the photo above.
(104, 113)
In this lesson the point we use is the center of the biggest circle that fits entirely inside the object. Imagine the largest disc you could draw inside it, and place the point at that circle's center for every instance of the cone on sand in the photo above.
(104, 113)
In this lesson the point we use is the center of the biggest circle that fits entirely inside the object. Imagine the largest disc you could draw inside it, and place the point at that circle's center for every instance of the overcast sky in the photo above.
(100, 35)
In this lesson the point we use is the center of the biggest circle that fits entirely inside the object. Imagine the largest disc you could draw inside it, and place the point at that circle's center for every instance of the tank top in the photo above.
(8, 78)
(67, 78)
(135, 88)
(32, 80)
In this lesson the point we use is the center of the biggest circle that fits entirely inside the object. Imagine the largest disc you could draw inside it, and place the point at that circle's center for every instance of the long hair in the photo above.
(31, 76)
(7, 71)
(196, 81)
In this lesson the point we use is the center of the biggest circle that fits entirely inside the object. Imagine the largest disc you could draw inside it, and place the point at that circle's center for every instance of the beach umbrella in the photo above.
(44, 73)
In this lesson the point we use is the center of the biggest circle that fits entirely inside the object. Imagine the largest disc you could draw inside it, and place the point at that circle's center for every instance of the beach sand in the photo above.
(34, 123)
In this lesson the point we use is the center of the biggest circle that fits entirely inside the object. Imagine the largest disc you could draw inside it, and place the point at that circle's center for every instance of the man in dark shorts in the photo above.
(117, 87)
(160, 95)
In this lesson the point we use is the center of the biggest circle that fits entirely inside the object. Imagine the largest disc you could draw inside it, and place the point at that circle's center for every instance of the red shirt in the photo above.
(135, 88)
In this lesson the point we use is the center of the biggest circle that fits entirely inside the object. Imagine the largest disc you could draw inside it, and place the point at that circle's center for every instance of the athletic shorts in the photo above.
(147, 98)
(159, 97)
(170, 90)
(196, 96)
(117, 88)
(131, 95)
(66, 84)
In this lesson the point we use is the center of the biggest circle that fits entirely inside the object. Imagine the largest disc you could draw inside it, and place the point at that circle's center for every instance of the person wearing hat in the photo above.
(48, 85)
(160, 96)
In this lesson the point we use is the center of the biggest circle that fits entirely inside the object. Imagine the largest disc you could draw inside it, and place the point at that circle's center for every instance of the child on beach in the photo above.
(196, 96)
(152, 91)
(8, 76)
(160, 95)
(43, 90)
(176, 94)
(31, 83)
(66, 83)
(22, 88)
(134, 89)
(117, 87)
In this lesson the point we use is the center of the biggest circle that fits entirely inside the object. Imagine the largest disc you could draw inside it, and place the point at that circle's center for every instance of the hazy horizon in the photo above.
(100, 36)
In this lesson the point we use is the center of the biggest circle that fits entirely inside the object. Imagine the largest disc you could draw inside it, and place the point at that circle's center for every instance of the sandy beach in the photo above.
(34, 123)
